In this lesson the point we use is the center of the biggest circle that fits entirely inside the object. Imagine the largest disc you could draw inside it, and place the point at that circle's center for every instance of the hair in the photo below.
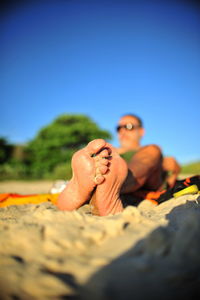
(136, 117)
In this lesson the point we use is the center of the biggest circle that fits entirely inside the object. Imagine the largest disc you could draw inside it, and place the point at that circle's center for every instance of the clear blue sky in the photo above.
(103, 59)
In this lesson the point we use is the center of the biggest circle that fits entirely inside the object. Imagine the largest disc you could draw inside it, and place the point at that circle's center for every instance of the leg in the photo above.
(87, 173)
(171, 166)
(145, 170)
(106, 199)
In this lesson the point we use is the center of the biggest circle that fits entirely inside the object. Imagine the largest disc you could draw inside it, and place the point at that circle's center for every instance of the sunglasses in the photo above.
(128, 126)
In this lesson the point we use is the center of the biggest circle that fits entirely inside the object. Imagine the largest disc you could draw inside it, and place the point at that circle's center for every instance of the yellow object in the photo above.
(192, 189)
(30, 199)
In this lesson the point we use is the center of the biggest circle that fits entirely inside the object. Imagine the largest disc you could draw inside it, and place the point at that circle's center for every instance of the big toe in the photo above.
(95, 146)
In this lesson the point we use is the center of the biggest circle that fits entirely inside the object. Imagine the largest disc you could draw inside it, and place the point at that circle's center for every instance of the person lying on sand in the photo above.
(106, 176)
(130, 132)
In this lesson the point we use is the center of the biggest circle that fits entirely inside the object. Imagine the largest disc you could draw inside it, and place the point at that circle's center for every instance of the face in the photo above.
(130, 138)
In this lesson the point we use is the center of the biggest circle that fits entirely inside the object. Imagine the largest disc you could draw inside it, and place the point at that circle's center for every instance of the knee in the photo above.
(154, 151)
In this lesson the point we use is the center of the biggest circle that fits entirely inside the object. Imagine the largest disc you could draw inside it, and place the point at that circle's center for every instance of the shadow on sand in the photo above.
(164, 265)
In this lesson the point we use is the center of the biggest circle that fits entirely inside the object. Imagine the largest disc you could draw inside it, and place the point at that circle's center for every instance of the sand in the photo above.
(144, 251)
(26, 187)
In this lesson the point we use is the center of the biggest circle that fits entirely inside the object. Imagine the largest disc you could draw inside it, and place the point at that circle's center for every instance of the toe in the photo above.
(103, 162)
(95, 146)
(103, 169)
(104, 153)
(98, 179)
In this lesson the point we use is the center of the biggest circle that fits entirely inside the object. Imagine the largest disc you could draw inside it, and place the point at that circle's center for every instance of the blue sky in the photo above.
(103, 59)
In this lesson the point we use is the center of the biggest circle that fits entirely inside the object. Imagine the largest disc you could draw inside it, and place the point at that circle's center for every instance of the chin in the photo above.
(125, 145)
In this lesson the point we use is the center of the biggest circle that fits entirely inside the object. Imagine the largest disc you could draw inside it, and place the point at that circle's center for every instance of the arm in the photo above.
(145, 168)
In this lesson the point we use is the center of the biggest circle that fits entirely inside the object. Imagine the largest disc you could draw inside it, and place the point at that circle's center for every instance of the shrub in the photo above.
(61, 171)
(192, 168)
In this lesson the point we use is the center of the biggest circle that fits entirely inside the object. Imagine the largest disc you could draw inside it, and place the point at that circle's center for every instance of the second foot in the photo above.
(106, 199)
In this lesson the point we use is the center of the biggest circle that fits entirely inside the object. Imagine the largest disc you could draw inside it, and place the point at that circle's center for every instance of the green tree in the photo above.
(5, 150)
(56, 143)
(12, 161)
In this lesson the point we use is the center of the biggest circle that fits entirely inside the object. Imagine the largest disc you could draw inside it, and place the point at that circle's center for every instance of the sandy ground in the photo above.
(144, 252)
(25, 187)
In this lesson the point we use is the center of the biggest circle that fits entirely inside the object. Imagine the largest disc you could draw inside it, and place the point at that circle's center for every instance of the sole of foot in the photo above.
(89, 165)
(106, 199)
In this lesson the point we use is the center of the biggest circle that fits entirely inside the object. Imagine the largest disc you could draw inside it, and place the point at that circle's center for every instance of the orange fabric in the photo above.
(8, 199)
(187, 181)
(148, 195)
(4, 196)
(154, 195)
(7, 195)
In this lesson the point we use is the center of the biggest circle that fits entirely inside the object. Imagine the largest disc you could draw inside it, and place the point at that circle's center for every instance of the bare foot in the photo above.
(106, 199)
(88, 168)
